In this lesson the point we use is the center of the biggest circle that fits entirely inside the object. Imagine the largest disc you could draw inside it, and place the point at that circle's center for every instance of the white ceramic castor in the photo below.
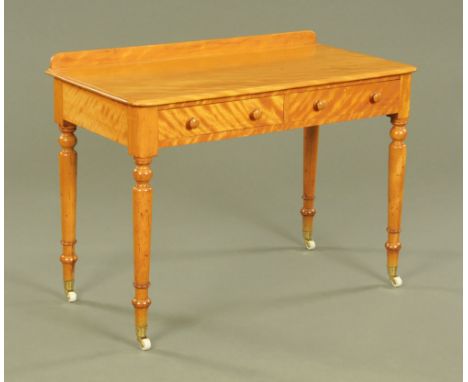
(145, 343)
(72, 296)
(396, 281)
(310, 244)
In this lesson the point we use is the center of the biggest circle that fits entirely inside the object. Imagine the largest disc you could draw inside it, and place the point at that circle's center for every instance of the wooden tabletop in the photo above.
(166, 74)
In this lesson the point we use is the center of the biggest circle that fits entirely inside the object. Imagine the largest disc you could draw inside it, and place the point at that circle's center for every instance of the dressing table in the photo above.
(147, 98)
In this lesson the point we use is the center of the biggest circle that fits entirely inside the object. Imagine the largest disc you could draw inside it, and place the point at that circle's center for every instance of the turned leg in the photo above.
(311, 138)
(67, 170)
(396, 174)
(142, 206)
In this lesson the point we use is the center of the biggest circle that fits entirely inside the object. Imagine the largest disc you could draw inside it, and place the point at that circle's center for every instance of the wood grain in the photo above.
(218, 117)
(229, 119)
(166, 74)
(188, 49)
(342, 103)
(96, 113)
(142, 131)
(219, 136)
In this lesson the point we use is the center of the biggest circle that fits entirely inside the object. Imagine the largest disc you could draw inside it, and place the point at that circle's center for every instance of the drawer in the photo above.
(220, 117)
(343, 103)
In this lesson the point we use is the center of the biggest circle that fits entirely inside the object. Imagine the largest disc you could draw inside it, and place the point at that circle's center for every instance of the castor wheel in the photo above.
(393, 276)
(72, 296)
(70, 293)
(145, 343)
(310, 244)
(396, 281)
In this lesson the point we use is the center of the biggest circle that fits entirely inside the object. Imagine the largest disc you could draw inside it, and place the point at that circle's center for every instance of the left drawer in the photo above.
(218, 117)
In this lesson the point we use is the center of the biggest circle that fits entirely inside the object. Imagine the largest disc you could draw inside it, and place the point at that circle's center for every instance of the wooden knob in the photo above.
(192, 123)
(255, 114)
(376, 97)
(320, 105)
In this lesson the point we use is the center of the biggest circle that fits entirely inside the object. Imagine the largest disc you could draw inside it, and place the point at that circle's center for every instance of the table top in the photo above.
(164, 74)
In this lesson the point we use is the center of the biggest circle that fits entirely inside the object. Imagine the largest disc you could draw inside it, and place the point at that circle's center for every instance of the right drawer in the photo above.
(342, 103)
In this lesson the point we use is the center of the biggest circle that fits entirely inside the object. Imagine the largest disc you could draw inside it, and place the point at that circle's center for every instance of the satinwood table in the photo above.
(155, 96)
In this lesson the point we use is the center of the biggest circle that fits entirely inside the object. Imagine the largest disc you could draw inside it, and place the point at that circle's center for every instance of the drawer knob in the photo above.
(192, 123)
(320, 105)
(256, 114)
(376, 97)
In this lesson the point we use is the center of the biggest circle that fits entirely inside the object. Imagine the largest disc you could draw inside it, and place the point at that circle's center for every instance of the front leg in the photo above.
(142, 211)
(396, 175)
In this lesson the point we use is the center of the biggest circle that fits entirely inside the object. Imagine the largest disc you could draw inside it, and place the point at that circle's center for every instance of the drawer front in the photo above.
(219, 117)
(343, 103)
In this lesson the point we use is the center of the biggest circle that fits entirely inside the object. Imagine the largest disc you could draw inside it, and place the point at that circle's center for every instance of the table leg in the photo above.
(67, 170)
(396, 174)
(311, 138)
(142, 211)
